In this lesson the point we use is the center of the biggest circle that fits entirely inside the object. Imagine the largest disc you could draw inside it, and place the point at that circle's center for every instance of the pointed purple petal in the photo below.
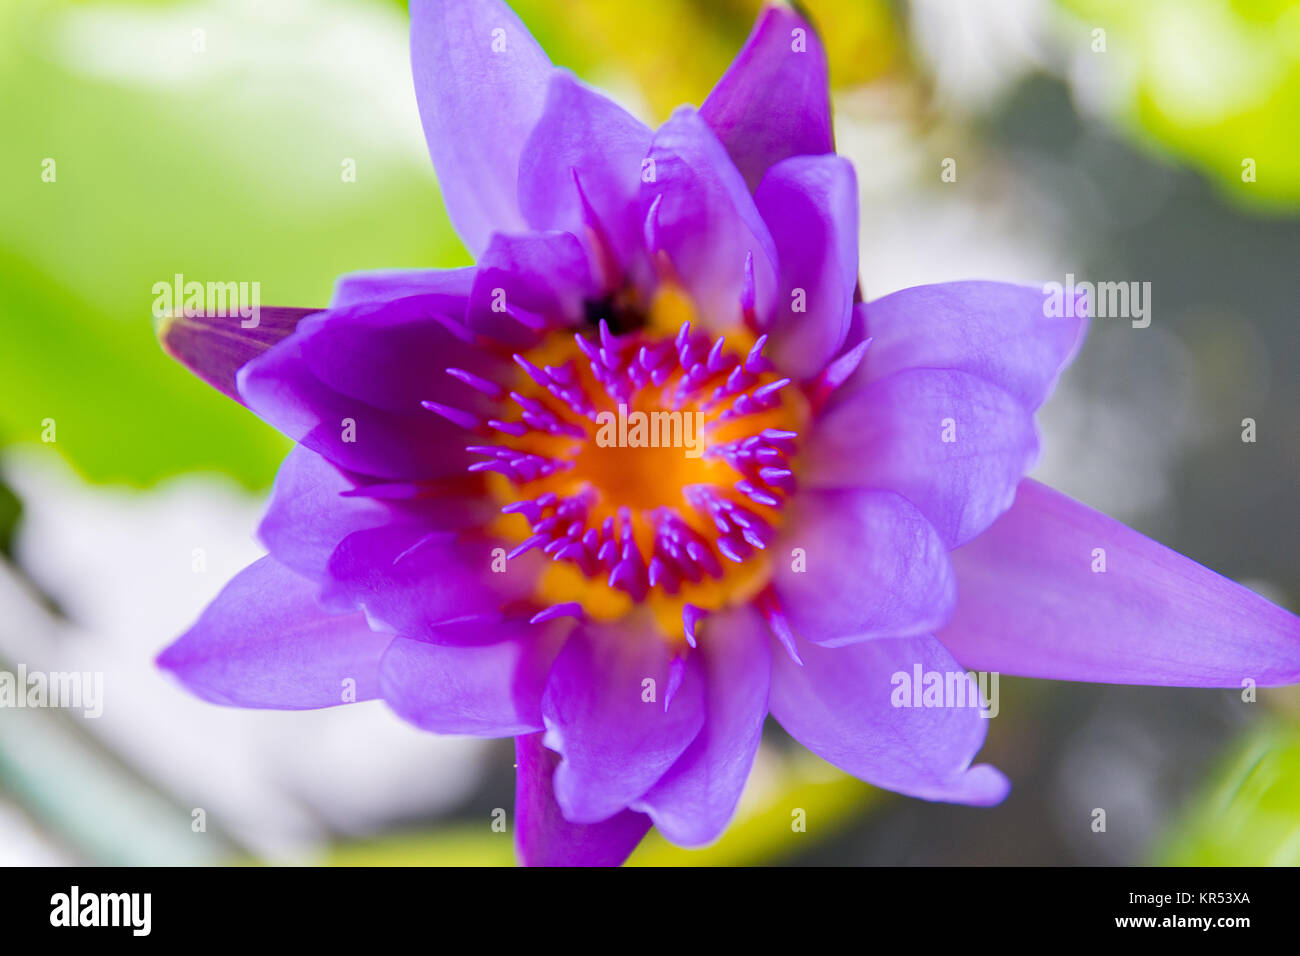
(696, 798)
(810, 203)
(215, 347)
(480, 81)
(609, 724)
(994, 330)
(841, 705)
(703, 218)
(411, 581)
(264, 642)
(486, 690)
(872, 567)
(390, 355)
(307, 516)
(541, 274)
(584, 133)
(950, 442)
(281, 389)
(544, 838)
(450, 285)
(310, 512)
(1031, 604)
(774, 100)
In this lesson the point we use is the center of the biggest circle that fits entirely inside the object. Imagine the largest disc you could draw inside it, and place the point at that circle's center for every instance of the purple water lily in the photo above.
(455, 534)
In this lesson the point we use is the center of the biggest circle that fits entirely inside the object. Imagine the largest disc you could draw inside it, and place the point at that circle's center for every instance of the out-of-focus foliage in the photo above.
(1213, 81)
(10, 511)
(673, 51)
(1250, 814)
(217, 155)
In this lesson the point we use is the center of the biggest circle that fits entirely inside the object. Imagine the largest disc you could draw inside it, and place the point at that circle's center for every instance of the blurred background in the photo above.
(1105, 139)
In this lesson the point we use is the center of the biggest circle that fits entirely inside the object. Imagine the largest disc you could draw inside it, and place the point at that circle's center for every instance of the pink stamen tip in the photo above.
(568, 609)
(748, 296)
(691, 617)
(454, 415)
(770, 608)
(676, 673)
(838, 372)
(478, 383)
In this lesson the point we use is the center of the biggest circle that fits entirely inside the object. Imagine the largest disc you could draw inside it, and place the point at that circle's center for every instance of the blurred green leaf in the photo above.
(215, 154)
(1250, 815)
(660, 55)
(1216, 83)
(11, 510)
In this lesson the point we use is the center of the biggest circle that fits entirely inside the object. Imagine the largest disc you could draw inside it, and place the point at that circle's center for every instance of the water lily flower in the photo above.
(450, 536)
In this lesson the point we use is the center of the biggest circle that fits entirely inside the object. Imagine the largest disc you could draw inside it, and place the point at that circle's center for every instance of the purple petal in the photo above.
(841, 705)
(584, 134)
(693, 802)
(281, 389)
(392, 355)
(314, 506)
(774, 100)
(701, 215)
(543, 275)
(307, 515)
(215, 347)
(1031, 604)
(810, 203)
(385, 285)
(544, 838)
(480, 81)
(410, 580)
(872, 566)
(487, 690)
(609, 723)
(949, 442)
(264, 642)
(994, 330)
